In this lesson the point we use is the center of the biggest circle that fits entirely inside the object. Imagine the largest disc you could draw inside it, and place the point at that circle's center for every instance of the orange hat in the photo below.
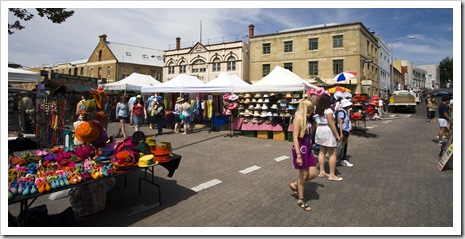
(87, 131)
(161, 154)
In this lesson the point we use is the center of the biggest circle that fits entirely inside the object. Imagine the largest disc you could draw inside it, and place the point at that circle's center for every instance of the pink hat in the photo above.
(226, 97)
(311, 92)
(319, 91)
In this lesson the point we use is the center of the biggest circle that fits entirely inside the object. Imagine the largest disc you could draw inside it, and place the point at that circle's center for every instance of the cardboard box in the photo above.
(279, 135)
(262, 134)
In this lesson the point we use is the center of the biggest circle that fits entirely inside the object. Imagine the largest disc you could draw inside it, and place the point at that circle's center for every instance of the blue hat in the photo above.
(159, 98)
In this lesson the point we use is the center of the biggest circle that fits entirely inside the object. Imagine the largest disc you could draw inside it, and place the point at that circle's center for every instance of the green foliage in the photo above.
(56, 15)
(446, 71)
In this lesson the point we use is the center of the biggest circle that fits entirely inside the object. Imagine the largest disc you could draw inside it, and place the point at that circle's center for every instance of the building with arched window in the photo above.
(207, 61)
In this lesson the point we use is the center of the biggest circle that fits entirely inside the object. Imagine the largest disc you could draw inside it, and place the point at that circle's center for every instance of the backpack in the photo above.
(337, 119)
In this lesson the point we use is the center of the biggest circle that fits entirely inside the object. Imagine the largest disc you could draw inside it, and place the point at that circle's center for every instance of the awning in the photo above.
(80, 88)
(56, 84)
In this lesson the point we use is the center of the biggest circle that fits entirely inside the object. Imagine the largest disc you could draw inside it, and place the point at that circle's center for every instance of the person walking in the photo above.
(159, 114)
(303, 158)
(177, 113)
(444, 119)
(343, 116)
(79, 105)
(138, 113)
(326, 136)
(122, 114)
(149, 108)
(131, 102)
(432, 106)
(186, 114)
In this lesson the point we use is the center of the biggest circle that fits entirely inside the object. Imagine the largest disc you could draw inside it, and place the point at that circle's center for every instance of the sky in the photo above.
(148, 25)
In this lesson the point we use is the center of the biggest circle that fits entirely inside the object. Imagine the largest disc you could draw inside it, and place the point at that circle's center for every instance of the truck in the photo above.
(402, 100)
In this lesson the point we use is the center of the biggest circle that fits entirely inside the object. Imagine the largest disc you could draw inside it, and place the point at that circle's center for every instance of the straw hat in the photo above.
(179, 100)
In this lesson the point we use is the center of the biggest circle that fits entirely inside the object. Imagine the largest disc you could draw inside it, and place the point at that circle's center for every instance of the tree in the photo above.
(56, 15)
(445, 71)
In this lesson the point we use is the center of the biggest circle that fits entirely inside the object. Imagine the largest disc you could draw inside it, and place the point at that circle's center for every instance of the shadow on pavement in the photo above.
(124, 206)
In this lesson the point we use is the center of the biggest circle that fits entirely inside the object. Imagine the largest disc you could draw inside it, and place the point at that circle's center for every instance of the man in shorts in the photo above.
(444, 118)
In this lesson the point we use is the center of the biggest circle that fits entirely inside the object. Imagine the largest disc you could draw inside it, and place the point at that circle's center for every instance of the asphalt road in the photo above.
(394, 188)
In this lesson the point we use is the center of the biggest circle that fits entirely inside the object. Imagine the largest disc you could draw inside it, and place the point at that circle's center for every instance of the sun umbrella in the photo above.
(344, 76)
(338, 88)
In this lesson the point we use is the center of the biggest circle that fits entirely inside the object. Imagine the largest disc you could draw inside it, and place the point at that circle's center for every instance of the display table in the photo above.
(171, 166)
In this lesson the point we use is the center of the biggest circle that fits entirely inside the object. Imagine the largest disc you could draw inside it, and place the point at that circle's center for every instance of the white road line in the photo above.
(369, 127)
(206, 185)
(409, 115)
(281, 158)
(249, 169)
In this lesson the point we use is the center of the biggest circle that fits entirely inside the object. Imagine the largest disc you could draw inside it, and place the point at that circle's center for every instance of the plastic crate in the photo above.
(279, 135)
(262, 134)
(250, 133)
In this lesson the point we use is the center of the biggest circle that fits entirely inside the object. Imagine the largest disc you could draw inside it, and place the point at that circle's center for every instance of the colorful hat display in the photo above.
(151, 141)
(233, 97)
(161, 154)
(83, 152)
(87, 131)
(226, 97)
(104, 153)
(338, 95)
(146, 161)
(101, 140)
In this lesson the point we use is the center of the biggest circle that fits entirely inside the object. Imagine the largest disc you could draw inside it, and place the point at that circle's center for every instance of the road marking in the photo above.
(281, 158)
(249, 169)
(206, 185)
(369, 127)
(409, 115)
(393, 116)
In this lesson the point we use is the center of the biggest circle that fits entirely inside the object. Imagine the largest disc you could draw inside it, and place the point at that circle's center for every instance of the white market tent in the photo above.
(134, 82)
(22, 76)
(278, 80)
(180, 84)
(225, 82)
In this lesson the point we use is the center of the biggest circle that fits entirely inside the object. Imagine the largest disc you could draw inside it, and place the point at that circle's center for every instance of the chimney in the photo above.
(251, 30)
(103, 38)
(178, 43)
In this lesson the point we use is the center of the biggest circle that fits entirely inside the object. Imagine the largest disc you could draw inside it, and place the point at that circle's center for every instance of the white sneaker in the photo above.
(346, 163)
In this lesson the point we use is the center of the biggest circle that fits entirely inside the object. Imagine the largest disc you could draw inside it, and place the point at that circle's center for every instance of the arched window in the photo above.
(216, 64)
(182, 67)
(231, 63)
(171, 68)
(100, 55)
(199, 66)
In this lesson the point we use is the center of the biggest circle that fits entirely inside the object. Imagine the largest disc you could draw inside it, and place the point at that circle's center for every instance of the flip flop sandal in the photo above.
(304, 206)
(295, 193)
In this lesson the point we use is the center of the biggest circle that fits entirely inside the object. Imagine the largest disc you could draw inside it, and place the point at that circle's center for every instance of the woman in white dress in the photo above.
(326, 136)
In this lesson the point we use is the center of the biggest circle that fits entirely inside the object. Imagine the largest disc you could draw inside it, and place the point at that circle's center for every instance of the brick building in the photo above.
(320, 51)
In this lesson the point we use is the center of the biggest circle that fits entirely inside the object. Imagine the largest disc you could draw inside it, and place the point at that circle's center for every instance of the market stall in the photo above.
(134, 82)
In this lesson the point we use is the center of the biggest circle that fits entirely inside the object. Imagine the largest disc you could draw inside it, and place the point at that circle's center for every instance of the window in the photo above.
(100, 72)
(100, 55)
(182, 67)
(288, 46)
(199, 66)
(231, 63)
(75, 71)
(152, 73)
(313, 44)
(288, 66)
(337, 41)
(69, 71)
(265, 69)
(216, 64)
(82, 71)
(128, 53)
(91, 72)
(313, 68)
(338, 66)
(145, 56)
(136, 70)
(266, 48)
(171, 68)
(108, 70)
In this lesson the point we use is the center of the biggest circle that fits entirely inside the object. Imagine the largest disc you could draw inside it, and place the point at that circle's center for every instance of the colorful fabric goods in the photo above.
(84, 152)
(87, 131)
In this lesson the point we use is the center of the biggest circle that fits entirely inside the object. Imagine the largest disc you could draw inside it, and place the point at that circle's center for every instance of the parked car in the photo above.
(439, 93)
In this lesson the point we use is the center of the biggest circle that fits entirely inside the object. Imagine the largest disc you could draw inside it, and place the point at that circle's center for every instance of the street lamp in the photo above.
(392, 56)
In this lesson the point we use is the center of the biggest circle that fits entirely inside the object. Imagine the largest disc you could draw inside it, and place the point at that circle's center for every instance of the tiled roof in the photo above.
(136, 54)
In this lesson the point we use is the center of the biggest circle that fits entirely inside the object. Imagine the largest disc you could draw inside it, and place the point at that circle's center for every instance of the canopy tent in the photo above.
(180, 84)
(22, 76)
(225, 82)
(278, 80)
(134, 82)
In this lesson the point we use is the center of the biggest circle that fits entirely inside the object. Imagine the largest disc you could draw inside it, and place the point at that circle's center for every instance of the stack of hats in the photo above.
(229, 103)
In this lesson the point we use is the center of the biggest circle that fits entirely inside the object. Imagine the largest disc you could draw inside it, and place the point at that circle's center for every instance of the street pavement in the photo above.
(227, 182)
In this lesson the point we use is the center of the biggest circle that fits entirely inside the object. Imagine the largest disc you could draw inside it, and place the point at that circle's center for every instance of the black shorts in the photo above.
(177, 119)
(121, 117)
